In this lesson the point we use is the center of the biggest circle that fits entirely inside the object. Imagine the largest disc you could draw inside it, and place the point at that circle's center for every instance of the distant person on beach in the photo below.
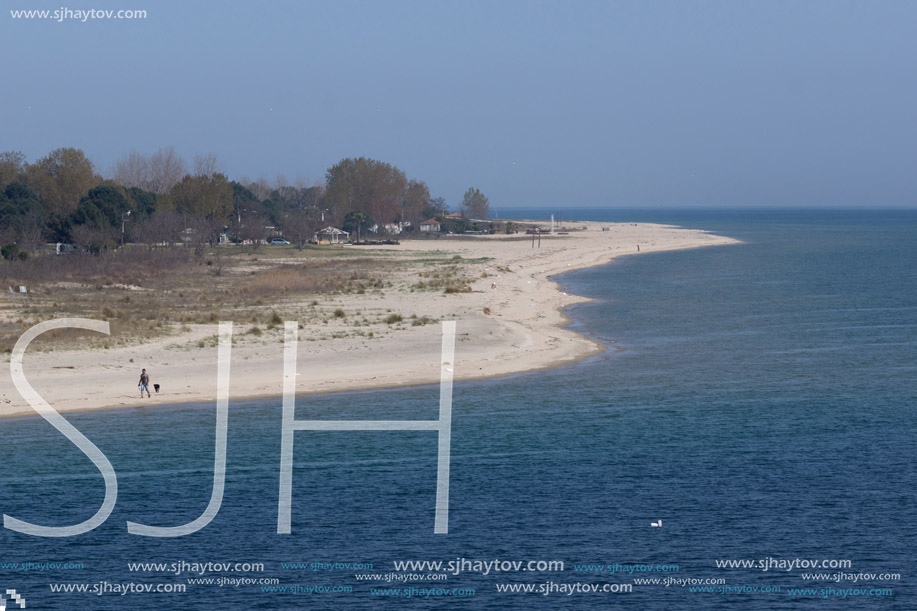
(144, 384)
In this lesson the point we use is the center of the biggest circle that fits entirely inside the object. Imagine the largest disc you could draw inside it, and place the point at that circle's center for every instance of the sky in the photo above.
(536, 103)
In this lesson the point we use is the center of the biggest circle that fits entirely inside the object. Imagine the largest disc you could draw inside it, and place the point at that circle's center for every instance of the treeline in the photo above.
(161, 199)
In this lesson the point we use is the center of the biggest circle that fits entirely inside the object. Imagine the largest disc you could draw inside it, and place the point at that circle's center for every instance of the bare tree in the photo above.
(203, 231)
(299, 227)
(207, 164)
(91, 238)
(8, 234)
(260, 188)
(253, 229)
(166, 169)
(132, 170)
(163, 228)
(31, 234)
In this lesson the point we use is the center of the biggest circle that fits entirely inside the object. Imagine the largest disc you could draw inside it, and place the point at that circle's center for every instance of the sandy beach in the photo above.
(515, 327)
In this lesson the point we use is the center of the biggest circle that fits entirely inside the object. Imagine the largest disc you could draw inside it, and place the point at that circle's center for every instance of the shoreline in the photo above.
(520, 327)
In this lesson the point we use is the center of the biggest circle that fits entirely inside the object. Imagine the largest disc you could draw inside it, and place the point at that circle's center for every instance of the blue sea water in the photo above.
(759, 399)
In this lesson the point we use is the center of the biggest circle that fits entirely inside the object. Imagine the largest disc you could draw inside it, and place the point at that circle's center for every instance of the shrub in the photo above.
(393, 318)
(9, 252)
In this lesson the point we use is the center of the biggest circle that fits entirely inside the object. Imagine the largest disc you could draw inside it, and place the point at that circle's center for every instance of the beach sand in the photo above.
(523, 331)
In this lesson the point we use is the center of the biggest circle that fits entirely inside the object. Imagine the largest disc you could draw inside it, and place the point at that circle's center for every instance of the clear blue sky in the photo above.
(535, 103)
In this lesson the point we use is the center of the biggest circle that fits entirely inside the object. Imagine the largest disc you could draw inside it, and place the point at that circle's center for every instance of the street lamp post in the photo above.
(124, 218)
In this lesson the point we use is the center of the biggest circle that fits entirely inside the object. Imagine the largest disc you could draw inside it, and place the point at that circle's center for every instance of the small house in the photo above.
(431, 225)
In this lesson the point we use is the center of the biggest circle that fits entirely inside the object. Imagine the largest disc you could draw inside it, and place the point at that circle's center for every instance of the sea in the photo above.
(758, 401)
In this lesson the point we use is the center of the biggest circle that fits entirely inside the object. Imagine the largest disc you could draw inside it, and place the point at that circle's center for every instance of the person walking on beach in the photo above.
(144, 384)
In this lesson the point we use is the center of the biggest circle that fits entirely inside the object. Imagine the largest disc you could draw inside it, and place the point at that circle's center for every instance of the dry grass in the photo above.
(450, 280)
(146, 294)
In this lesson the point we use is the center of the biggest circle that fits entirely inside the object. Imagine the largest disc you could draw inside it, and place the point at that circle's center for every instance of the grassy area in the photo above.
(147, 294)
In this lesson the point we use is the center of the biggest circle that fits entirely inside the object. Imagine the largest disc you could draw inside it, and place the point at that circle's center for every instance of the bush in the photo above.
(393, 318)
(9, 252)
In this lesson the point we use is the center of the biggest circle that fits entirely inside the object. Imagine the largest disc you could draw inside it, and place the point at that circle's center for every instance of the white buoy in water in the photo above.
(656, 524)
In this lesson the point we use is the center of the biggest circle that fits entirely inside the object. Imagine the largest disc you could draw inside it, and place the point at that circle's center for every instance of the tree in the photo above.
(260, 188)
(166, 169)
(435, 208)
(416, 197)
(132, 170)
(102, 211)
(299, 227)
(205, 198)
(475, 205)
(22, 216)
(242, 200)
(156, 173)
(162, 228)
(16, 201)
(103, 205)
(92, 239)
(207, 164)
(31, 230)
(61, 179)
(12, 168)
(365, 185)
(142, 202)
(358, 221)
(253, 228)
